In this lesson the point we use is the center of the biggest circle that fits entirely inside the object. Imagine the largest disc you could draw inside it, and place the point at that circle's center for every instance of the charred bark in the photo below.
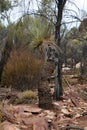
(60, 5)
(45, 97)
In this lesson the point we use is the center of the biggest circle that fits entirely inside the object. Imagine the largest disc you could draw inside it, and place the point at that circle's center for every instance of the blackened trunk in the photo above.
(45, 97)
(84, 60)
(58, 82)
(60, 77)
(58, 87)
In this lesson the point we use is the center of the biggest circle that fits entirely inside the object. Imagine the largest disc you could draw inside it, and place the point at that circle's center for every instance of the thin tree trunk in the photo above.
(58, 82)
(58, 87)
(84, 61)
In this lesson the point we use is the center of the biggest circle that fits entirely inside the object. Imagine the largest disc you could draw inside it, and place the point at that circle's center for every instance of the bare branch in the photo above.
(74, 4)
(75, 17)
(70, 22)
(71, 10)
(38, 14)
(46, 5)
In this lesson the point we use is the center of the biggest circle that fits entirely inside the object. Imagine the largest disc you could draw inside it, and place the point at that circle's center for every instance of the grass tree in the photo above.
(52, 11)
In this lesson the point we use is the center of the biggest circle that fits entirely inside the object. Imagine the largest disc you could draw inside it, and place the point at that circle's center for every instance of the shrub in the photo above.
(22, 70)
(26, 97)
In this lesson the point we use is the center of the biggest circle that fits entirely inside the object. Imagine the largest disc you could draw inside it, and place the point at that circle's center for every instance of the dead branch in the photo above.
(68, 127)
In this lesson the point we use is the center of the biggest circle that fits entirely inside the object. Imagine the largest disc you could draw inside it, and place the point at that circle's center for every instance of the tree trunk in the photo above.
(58, 87)
(45, 98)
(84, 61)
(58, 82)
(44, 91)
(84, 67)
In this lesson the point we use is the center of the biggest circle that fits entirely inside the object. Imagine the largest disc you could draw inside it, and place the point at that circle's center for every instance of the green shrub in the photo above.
(22, 70)
(26, 97)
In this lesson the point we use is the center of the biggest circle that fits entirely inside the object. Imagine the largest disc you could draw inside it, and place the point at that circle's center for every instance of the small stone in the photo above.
(77, 115)
(49, 121)
(65, 111)
(50, 117)
(69, 101)
(56, 104)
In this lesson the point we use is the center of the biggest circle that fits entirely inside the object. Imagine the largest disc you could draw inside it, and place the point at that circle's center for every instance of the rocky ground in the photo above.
(68, 114)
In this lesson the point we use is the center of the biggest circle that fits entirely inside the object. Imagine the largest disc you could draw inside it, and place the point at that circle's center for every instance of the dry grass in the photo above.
(22, 70)
(26, 97)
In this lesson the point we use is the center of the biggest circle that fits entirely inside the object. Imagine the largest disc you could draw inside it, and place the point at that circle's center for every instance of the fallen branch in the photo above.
(68, 127)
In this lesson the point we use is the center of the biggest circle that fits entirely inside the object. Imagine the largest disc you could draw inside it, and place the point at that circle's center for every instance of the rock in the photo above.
(65, 69)
(77, 115)
(25, 115)
(36, 123)
(56, 105)
(8, 126)
(23, 127)
(85, 128)
(18, 109)
(46, 111)
(78, 65)
(50, 115)
(65, 111)
(29, 109)
(33, 110)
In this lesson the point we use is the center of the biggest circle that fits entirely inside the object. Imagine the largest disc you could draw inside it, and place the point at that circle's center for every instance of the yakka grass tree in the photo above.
(52, 10)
